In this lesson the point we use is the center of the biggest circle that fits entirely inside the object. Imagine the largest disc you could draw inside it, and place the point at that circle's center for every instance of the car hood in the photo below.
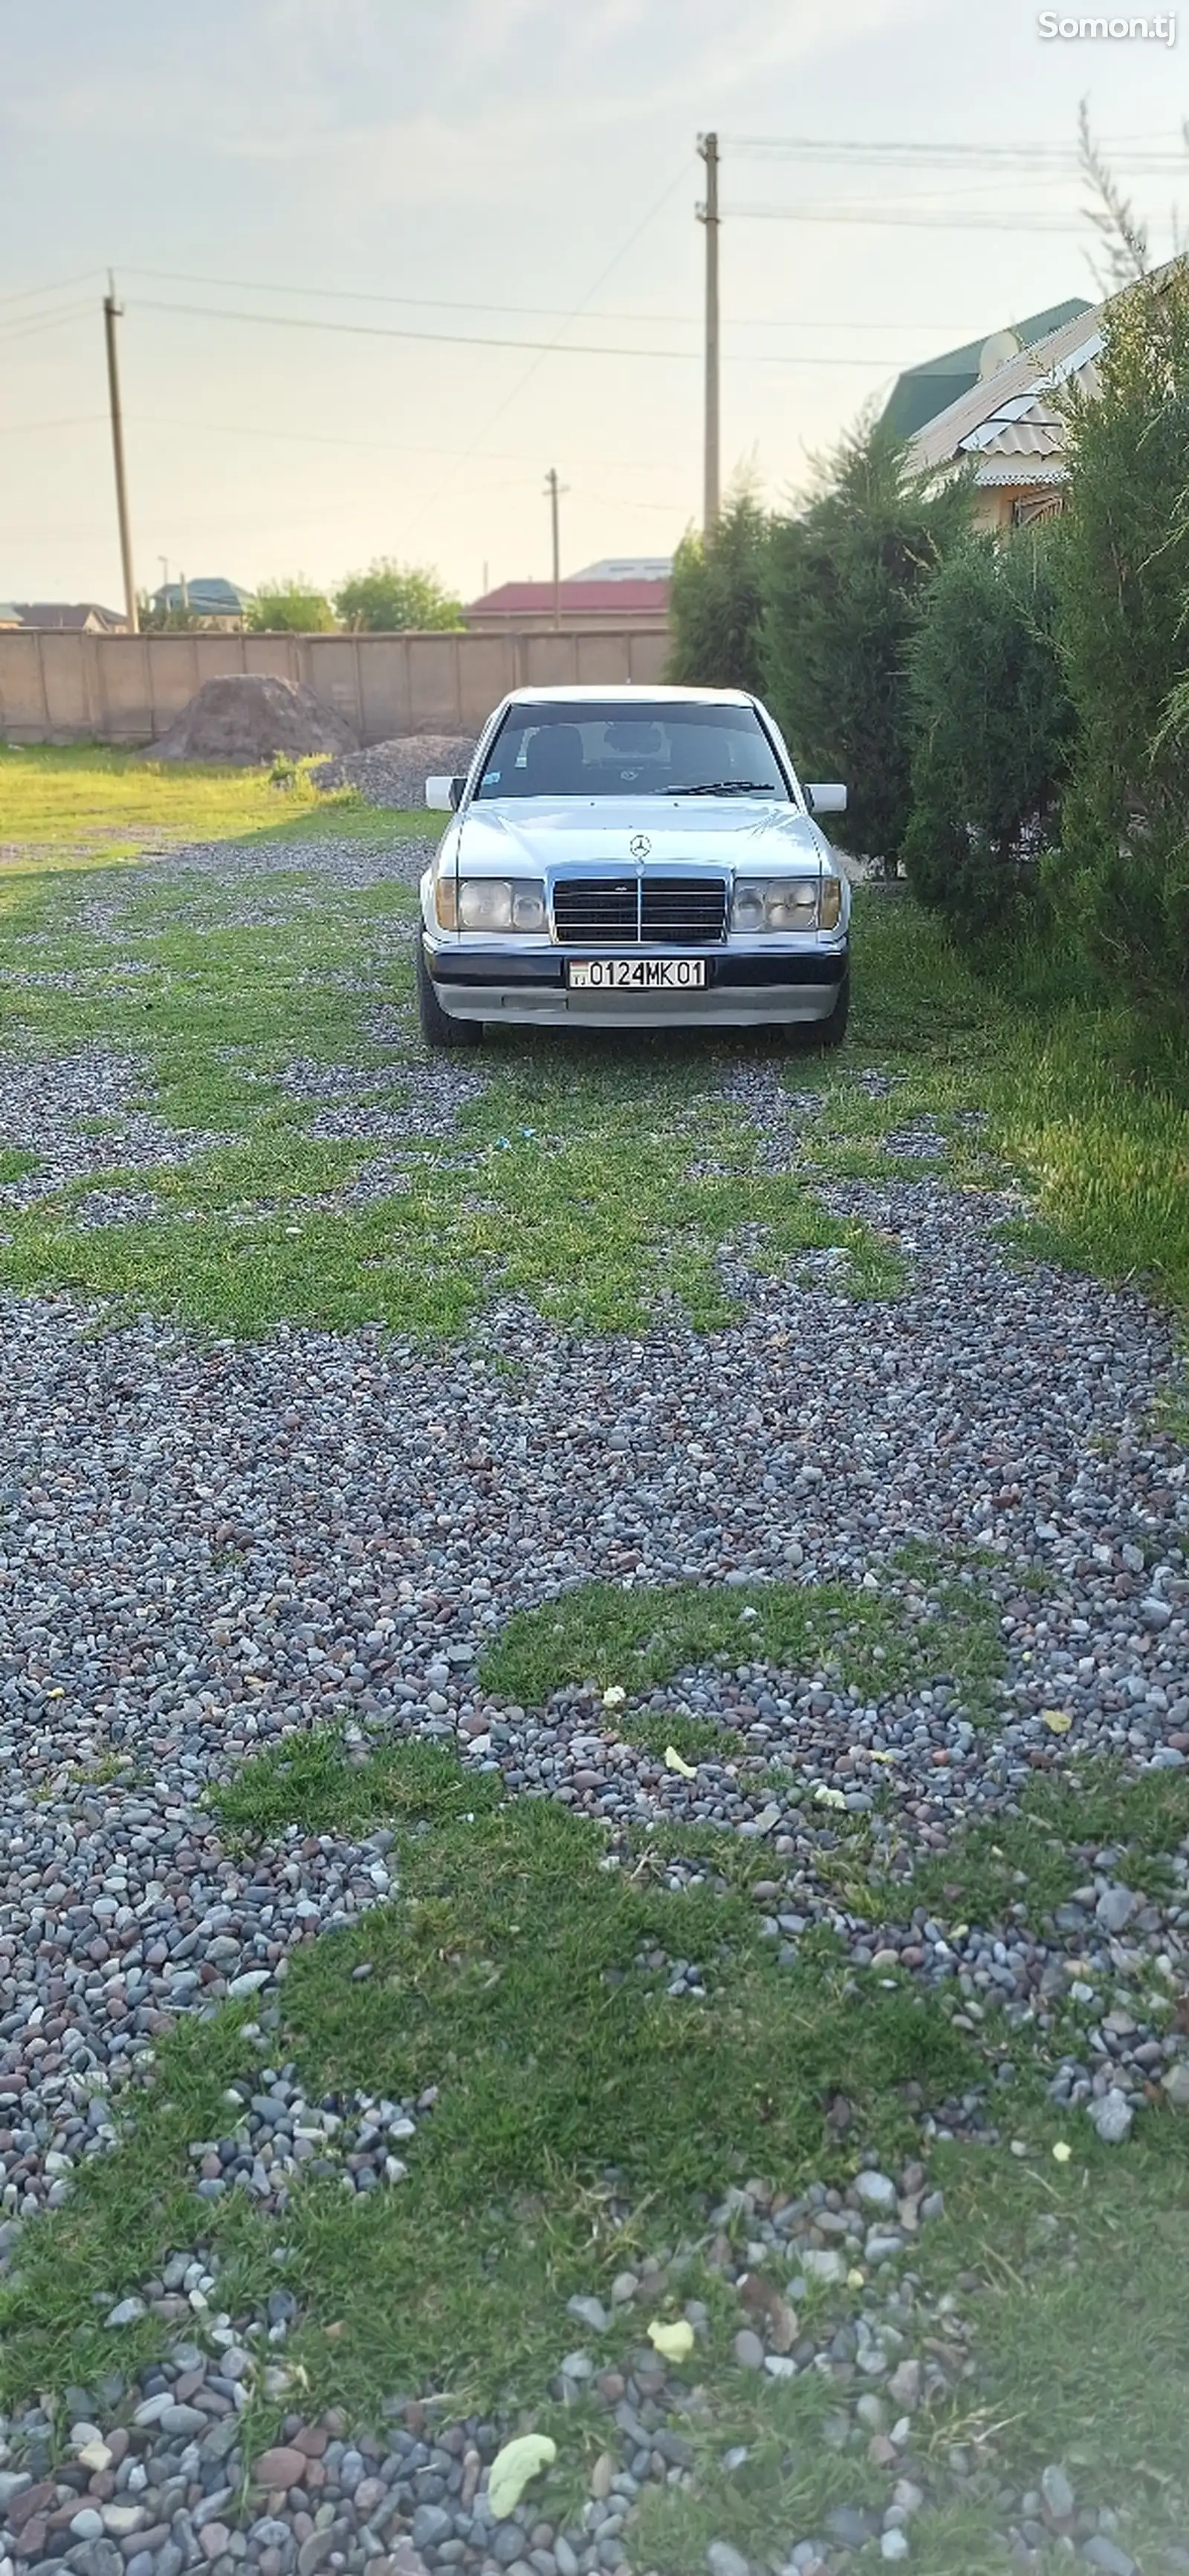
(535, 833)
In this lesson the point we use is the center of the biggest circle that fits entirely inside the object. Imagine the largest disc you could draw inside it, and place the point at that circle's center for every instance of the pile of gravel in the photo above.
(394, 773)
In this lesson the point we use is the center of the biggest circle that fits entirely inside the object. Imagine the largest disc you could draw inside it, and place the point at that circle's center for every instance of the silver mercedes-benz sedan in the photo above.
(632, 858)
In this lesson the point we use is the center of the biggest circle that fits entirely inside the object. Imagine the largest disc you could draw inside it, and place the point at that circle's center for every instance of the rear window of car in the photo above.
(654, 749)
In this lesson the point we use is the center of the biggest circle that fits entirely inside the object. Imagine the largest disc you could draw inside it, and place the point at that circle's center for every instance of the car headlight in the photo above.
(775, 903)
(489, 903)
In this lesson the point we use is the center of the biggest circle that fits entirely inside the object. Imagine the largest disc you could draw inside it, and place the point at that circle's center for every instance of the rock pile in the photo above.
(394, 773)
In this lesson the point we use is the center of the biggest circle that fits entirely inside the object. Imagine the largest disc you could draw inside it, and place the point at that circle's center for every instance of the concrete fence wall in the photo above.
(128, 688)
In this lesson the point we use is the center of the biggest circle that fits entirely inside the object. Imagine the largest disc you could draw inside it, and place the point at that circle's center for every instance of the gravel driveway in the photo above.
(202, 1545)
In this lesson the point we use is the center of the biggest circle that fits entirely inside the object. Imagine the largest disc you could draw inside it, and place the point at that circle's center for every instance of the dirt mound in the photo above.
(250, 716)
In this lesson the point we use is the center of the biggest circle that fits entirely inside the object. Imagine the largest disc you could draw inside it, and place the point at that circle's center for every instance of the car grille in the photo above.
(684, 912)
(596, 908)
(684, 908)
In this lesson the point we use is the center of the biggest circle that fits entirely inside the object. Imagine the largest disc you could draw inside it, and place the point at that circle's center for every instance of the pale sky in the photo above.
(512, 170)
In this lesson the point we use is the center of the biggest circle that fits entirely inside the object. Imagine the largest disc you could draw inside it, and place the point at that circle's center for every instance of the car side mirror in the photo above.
(439, 795)
(457, 788)
(826, 800)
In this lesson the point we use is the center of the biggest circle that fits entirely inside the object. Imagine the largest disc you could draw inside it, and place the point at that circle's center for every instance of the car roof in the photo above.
(628, 693)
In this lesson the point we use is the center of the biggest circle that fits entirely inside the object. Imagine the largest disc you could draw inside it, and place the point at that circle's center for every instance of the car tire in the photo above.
(437, 1027)
(831, 1032)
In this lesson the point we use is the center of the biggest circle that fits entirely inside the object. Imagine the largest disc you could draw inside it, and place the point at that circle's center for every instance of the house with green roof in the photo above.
(1008, 431)
(922, 392)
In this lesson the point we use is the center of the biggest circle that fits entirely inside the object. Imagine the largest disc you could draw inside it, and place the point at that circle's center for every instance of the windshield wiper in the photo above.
(727, 787)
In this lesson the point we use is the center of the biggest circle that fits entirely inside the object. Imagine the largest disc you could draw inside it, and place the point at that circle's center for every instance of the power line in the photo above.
(385, 446)
(30, 329)
(807, 358)
(485, 340)
(393, 446)
(30, 294)
(957, 189)
(790, 322)
(485, 304)
(357, 295)
(675, 321)
(1152, 154)
(25, 428)
(393, 331)
(620, 501)
(952, 220)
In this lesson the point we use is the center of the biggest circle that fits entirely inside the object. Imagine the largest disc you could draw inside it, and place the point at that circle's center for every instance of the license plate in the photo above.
(636, 974)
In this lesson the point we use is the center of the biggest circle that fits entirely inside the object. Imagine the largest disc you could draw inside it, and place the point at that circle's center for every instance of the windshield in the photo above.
(654, 749)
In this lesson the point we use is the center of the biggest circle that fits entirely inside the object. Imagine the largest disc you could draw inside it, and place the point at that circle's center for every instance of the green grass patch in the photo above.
(584, 2117)
(1067, 2370)
(15, 1163)
(1095, 1803)
(1105, 1156)
(1171, 1415)
(557, 1188)
(428, 1260)
(507, 1933)
(726, 1857)
(696, 1739)
(84, 805)
(600, 1185)
(132, 2207)
(222, 1009)
(579, 2105)
(560, 1193)
(1076, 2297)
(635, 1639)
(1035, 1857)
(86, 802)
(311, 1780)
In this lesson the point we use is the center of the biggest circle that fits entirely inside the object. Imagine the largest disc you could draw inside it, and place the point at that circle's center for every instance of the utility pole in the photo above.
(709, 216)
(111, 315)
(554, 489)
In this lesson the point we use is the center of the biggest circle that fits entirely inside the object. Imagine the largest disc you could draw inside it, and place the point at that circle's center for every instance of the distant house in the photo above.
(921, 393)
(627, 568)
(216, 602)
(65, 617)
(1009, 431)
(623, 590)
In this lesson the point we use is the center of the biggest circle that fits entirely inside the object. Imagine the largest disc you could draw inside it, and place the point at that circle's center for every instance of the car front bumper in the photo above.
(743, 989)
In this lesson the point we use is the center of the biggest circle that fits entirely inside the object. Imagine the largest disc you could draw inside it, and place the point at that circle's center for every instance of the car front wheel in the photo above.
(437, 1027)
